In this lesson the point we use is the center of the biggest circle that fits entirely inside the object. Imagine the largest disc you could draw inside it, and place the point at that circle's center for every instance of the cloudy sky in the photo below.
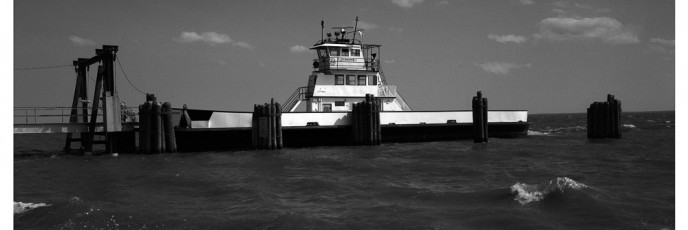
(542, 56)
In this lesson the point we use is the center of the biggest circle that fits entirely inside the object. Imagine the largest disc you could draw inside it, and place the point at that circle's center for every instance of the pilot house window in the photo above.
(338, 79)
(351, 79)
(345, 52)
(334, 51)
(372, 80)
(361, 79)
(355, 52)
(322, 52)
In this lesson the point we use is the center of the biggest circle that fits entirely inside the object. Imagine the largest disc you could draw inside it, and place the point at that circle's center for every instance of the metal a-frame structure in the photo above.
(105, 93)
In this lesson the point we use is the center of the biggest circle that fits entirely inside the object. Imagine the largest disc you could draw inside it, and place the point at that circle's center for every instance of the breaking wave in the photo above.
(526, 193)
(628, 126)
(536, 133)
(550, 131)
(20, 207)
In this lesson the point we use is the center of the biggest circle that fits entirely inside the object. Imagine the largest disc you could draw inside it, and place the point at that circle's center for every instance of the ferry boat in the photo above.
(345, 70)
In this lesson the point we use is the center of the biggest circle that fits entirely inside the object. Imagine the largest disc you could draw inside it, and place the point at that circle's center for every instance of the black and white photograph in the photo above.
(356, 114)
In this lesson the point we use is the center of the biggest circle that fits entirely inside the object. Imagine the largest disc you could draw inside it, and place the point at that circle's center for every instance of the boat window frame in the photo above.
(344, 53)
(365, 80)
(322, 54)
(327, 105)
(357, 51)
(337, 79)
(372, 80)
(331, 49)
(349, 80)
(340, 103)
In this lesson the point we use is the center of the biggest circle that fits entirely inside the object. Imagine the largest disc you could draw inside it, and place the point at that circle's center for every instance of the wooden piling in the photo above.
(266, 126)
(273, 125)
(365, 122)
(278, 122)
(145, 127)
(156, 128)
(485, 120)
(604, 119)
(479, 118)
(168, 128)
(254, 127)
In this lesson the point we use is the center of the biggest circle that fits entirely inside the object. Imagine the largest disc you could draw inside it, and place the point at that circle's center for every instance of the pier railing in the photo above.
(294, 99)
(40, 115)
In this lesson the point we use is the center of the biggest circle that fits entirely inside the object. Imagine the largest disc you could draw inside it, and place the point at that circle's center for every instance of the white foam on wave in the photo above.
(536, 133)
(526, 193)
(628, 126)
(21, 207)
(565, 182)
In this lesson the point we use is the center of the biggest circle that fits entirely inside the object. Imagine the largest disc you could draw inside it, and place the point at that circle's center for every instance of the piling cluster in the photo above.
(267, 126)
(604, 119)
(365, 121)
(479, 118)
(156, 130)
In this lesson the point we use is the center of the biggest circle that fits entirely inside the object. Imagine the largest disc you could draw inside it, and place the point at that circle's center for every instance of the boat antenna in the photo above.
(322, 28)
(355, 27)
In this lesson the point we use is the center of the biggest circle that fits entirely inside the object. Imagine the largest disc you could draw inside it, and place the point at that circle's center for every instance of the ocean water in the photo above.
(553, 179)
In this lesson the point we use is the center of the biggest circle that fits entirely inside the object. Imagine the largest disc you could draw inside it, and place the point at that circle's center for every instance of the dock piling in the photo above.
(168, 128)
(479, 118)
(604, 118)
(156, 129)
(266, 126)
(365, 122)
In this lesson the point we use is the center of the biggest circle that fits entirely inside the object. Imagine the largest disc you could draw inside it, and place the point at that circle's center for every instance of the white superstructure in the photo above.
(345, 70)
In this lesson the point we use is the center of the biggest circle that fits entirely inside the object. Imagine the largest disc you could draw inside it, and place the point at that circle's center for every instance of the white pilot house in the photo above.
(344, 72)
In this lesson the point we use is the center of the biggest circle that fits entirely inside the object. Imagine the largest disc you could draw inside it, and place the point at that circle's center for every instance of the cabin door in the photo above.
(327, 107)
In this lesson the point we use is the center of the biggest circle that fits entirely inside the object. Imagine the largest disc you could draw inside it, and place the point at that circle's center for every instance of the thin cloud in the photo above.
(526, 2)
(606, 29)
(243, 45)
(298, 49)
(367, 25)
(508, 38)
(81, 41)
(396, 30)
(501, 68)
(210, 38)
(407, 3)
(662, 45)
(664, 42)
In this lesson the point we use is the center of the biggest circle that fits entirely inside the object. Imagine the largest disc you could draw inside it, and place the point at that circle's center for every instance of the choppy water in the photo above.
(553, 179)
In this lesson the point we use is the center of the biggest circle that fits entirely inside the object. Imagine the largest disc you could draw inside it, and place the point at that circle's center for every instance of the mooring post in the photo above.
(280, 142)
(273, 124)
(604, 118)
(156, 127)
(254, 127)
(170, 138)
(146, 127)
(479, 118)
(484, 120)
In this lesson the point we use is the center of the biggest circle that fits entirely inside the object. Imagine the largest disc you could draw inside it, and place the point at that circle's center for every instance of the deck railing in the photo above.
(36, 115)
(293, 100)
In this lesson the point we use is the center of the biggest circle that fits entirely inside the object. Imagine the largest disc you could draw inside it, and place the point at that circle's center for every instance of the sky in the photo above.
(535, 55)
